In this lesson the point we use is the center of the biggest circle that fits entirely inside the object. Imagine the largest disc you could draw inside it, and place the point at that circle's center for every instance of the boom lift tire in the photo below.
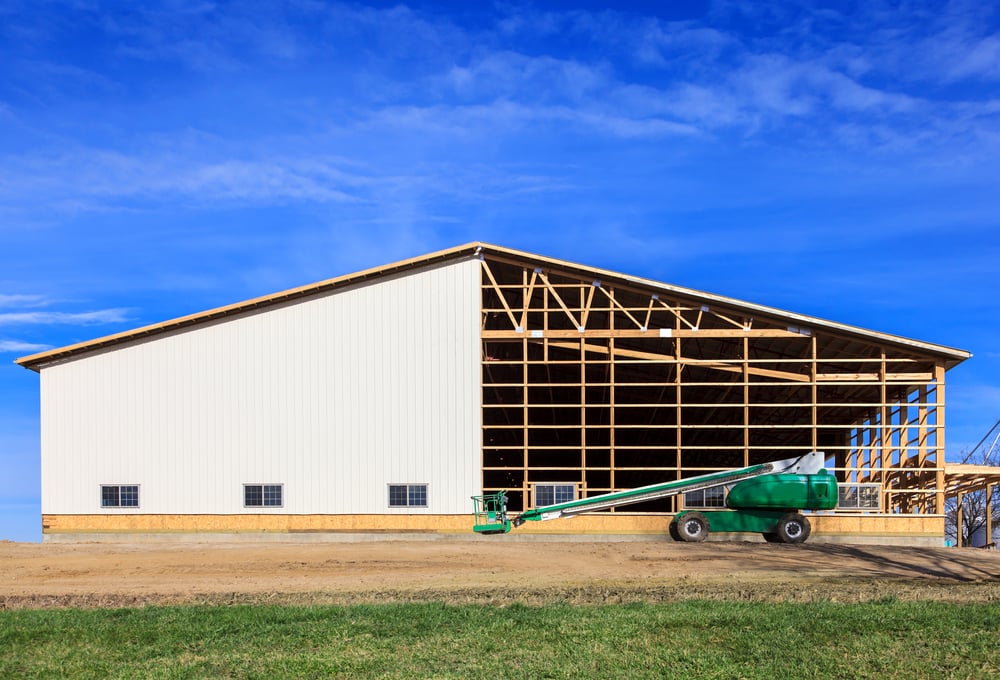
(672, 530)
(693, 527)
(793, 528)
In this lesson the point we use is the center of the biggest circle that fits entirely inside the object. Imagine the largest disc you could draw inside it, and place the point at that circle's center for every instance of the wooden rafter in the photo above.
(555, 294)
(676, 313)
(499, 292)
(649, 312)
(587, 306)
(670, 358)
(615, 304)
(527, 299)
(727, 319)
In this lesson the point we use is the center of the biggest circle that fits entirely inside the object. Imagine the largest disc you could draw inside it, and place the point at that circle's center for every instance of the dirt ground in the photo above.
(490, 570)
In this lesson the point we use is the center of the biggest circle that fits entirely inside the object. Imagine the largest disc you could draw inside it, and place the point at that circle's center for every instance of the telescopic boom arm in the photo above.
(491, 509)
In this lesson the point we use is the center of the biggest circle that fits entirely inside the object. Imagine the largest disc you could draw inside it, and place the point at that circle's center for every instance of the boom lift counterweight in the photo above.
(764, 498)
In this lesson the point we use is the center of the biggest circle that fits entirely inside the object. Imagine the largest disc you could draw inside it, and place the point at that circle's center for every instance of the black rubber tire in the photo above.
(771, 537)
(672, 530)
(793, 528)
(693, 527)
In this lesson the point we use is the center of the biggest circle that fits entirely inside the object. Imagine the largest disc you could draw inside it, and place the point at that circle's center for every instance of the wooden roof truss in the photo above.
(607, 385)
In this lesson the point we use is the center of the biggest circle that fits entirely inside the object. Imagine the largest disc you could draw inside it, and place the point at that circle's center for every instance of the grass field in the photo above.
(885, 639)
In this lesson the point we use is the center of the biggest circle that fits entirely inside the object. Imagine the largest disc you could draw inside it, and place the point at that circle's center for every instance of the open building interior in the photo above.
(612, 384)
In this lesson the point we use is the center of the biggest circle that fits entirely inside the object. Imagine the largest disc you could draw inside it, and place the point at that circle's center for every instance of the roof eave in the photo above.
(36, 362)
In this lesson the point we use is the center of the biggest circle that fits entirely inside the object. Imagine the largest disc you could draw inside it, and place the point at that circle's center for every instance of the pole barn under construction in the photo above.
(382, 401)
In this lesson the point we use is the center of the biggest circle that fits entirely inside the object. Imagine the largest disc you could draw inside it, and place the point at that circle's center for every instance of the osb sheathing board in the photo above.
(619, 523)
(255, 523)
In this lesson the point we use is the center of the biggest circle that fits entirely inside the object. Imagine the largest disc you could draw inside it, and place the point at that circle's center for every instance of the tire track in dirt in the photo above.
(473, 571)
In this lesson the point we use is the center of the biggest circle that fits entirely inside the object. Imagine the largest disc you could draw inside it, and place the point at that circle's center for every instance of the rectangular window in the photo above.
(706, 498)
(859, 496)
(550, 494)
(262, 496)
(119, 495)
(407, 495)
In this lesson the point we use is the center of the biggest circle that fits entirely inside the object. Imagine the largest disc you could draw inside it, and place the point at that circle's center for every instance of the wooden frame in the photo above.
(612, 385)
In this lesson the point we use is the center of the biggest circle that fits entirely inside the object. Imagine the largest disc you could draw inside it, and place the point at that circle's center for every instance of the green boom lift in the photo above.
(764, 498)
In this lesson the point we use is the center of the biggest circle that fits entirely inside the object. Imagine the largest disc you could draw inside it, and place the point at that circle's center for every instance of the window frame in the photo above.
(718, 500)
(410, 488)
(874, 490)
(118, 496)
(574, 486)
(264, 505)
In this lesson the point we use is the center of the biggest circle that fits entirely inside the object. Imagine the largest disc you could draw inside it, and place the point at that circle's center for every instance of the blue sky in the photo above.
(156, 159)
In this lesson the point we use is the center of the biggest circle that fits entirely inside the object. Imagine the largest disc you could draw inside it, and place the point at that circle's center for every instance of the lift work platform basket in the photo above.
(490, 512)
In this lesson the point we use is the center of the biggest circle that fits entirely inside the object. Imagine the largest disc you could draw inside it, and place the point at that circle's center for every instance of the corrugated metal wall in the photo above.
(335, 397)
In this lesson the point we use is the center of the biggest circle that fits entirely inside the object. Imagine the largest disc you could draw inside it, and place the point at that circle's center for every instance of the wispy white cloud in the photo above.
(85, 172)
(220, 39)
(93, 318)
(664, 45)
(19, 346)
(86, 180)
(511, 75)
(979, 58)
(202, 36)
(507, 117)
(956, 44)
(18, 300)
(937, 43)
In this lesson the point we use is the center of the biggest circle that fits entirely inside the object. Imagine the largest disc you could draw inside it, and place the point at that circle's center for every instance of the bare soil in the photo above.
(490, 570)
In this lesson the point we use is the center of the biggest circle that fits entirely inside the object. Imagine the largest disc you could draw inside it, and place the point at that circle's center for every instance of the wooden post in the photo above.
(611, 415)
(524, 402)
(884, 455)
(814, 393)
(746, 401)
(959, 519)
(939, 450)
(989, 513)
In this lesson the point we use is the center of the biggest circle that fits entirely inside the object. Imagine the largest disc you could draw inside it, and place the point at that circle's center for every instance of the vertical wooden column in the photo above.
(871, 449)
(546, 291)
(853, 460)
(939, 435)
(989, 513)
(927, 501)
(815, 394)
(611, 358)
(676, 501)
(746, 401)
(678, 400)
(959, 518)
(903, 433)
(583, 403)
(611, 415)
(884, 455)
(524, 395)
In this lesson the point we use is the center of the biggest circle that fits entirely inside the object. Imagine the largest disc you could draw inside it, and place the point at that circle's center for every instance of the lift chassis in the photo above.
(765, 498)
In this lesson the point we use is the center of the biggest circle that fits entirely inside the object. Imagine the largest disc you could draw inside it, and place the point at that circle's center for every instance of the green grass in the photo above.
(888, 639)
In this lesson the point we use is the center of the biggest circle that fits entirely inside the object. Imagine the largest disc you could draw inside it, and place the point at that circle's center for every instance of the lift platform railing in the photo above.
(490, 512)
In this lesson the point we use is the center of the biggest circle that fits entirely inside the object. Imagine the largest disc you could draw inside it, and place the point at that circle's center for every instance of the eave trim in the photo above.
(37, 361)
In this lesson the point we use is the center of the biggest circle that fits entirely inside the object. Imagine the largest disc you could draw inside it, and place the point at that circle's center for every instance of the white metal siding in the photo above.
(335, 397)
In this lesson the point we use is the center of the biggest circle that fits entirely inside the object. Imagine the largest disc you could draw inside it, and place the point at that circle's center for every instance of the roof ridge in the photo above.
(477, 248)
